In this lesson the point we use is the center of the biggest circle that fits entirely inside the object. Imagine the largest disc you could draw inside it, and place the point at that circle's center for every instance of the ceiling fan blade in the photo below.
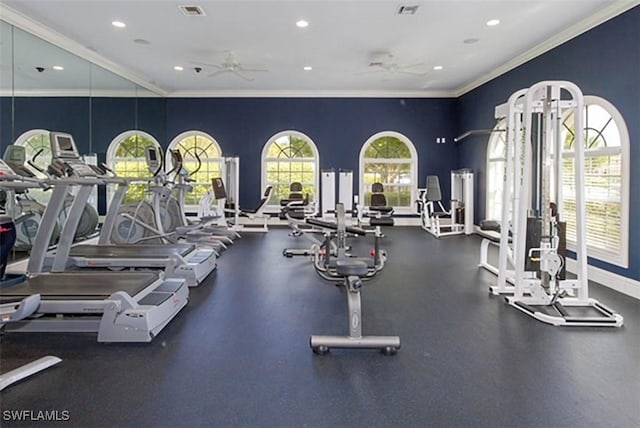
(215, 73)
(237, 73)
(405, 66)
(414, 73)
(204, 64)
(251, 70)
(380, 70)
(426, 84)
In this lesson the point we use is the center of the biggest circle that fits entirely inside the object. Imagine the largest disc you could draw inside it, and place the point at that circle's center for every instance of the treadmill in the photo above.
(118, 306)
(184, 261)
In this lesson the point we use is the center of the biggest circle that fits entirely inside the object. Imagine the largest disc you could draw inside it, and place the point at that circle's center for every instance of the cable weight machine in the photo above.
(541, 288)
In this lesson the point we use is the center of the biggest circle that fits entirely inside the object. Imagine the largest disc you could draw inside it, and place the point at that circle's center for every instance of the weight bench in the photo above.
(353, 271)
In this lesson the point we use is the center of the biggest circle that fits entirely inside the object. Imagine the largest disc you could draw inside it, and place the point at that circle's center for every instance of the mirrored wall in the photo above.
(45, 87)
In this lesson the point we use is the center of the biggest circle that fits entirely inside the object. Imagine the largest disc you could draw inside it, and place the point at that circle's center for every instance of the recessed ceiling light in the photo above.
(118, 24)
(302, 23)
(470, 41)
(438, 67)
(307, 68)
(58, 67)
(178, 68)
(493, 22)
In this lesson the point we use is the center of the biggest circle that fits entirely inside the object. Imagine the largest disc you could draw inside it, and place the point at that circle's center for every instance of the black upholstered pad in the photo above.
(381, 209)
(381, 221)
(333, 226)
(351, 267)
(490, 225)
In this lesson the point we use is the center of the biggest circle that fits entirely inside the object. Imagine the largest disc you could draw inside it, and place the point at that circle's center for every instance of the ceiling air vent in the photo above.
(192, 10)
(407, 10)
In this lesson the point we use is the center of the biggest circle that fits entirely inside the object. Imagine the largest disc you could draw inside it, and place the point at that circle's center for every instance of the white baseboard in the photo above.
(620, 283)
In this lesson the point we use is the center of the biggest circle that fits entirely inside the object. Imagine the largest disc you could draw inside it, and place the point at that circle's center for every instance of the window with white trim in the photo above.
(496, 160)
(126, 156)
(202, 159)
(34, 141)
(606, 144)
(391, 159)
(290, 156)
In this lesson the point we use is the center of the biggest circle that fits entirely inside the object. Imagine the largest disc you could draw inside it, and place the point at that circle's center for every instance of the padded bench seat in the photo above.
(351, 267)
(381, 221)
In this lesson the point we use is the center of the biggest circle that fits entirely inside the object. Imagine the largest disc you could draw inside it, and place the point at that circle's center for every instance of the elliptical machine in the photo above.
(88, 225)
(24, 210)
(159, 218)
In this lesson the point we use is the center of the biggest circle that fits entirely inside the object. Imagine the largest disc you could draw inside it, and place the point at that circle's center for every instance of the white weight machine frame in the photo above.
(252, 222)
(544, 296)
(507, 242)
(432, 210)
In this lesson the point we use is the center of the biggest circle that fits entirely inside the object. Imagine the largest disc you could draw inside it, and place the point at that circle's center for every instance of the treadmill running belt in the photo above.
(80, 285)
(131, 251)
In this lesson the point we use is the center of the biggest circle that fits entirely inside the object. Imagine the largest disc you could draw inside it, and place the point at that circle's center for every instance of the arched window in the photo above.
(391, 159)
(126, 155)
(496, 152)
(606, 181)
(288, 157)
(202, 159)
(34, 141)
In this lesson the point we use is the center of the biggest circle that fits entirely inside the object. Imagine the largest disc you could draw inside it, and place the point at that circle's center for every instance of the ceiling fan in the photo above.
(387, 64)
(230, 64)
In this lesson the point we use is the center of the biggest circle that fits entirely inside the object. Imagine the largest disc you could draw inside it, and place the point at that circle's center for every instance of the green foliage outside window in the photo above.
(202, 161)
(130, 162)
(387, 148)
(290, 159)
(388, 160)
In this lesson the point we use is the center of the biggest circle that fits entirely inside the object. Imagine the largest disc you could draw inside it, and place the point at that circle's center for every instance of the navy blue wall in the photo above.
(338, 127)
(242, 126)
(6, 113)
(604, 62)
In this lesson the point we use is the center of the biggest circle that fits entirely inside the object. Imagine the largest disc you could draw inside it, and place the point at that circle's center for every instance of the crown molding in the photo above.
(224, 94)
(88, 93)
(310, 94)
(614, 9)
(25, 23)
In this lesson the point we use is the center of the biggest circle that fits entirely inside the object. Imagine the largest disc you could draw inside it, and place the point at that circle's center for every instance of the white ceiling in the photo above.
(342, 39)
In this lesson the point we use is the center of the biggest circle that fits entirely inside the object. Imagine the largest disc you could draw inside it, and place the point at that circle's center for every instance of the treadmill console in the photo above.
(65, 156)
